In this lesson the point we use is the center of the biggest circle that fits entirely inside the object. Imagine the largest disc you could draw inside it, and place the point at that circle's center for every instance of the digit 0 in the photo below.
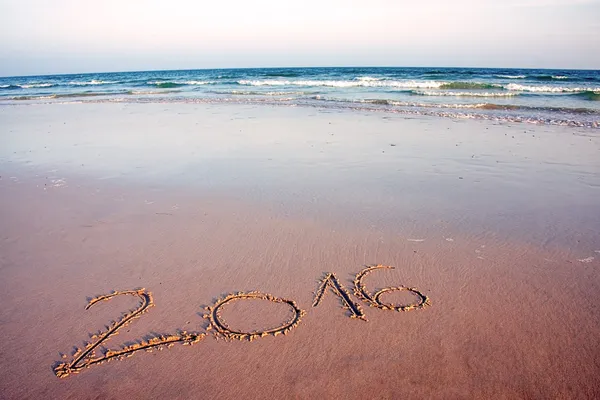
(222, 329)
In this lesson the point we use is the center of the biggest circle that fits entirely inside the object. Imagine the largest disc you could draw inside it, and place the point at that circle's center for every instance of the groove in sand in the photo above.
(375, 301)
(86, 357)
(336, 287)
(221, 328)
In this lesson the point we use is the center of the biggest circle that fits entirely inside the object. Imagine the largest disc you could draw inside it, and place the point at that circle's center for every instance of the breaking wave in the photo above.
(176, 84)
(549, 89)
(463, 94)
(469, 85)
(58, 96)
(91, 83)
(482, 106)
(588, 95)
(549, 77)
(259, 93)
(36, 85)
(343, 83)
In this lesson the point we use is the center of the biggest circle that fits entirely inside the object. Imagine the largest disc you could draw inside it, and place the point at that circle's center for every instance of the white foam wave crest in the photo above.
(36, 85)
(511, 76)
(180, 82)
(92, 82)
(345, 84)
(415, 84)
(560, 77)
(4, 86)
(367, 79)
(463, 94)
(196, 82)
(549, 89)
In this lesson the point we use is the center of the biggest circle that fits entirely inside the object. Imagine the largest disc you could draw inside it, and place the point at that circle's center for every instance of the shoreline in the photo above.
(408, 110)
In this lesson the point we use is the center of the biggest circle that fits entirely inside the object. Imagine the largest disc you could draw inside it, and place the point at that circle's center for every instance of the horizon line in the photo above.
(289, 67)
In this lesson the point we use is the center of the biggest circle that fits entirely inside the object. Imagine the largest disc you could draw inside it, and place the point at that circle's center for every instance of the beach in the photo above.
(495, 222)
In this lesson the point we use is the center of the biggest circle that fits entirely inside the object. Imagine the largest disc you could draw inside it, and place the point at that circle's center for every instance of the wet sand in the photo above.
(179, 201)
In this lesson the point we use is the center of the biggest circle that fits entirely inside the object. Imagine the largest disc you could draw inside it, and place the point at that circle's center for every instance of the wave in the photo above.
(367, 79)
(92, 94)
(463, 94)
(422, 105)
(565, 110)
(469, 85)
(53, 96)
(588, 95)
(258, 93)
(176, 84)
(511, 76)
(92, 82)
(65, 95)
(36, 85)
(33, 85)
(549, 77)
(342, 83)
(453, 111)
(166, 85)
(197, 82)
(548, 89)
(469, 88)
(389, 102)
(481, 106)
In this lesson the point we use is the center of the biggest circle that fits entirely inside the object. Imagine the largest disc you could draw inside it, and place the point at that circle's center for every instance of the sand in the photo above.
(502, 265)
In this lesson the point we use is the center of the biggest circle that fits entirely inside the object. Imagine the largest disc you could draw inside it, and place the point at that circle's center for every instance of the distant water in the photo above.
(559, 97)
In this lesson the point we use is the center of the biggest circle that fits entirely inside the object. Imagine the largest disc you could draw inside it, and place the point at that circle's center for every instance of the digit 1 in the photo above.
(339, 290)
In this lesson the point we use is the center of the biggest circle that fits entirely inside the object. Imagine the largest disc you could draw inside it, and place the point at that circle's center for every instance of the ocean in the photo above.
(539, 96)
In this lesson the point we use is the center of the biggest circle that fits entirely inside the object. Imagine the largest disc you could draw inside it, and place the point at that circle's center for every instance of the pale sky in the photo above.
(71, 36)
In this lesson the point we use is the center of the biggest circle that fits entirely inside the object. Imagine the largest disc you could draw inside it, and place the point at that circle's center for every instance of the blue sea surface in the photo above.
(541, 96)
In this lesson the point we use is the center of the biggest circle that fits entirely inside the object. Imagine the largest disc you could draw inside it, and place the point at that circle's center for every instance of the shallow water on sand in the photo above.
(539, 184)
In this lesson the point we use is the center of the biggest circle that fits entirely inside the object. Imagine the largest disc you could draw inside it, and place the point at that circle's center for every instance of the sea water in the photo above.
(557, 97)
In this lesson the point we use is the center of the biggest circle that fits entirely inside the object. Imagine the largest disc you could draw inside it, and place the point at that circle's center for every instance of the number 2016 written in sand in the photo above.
(91, 355)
